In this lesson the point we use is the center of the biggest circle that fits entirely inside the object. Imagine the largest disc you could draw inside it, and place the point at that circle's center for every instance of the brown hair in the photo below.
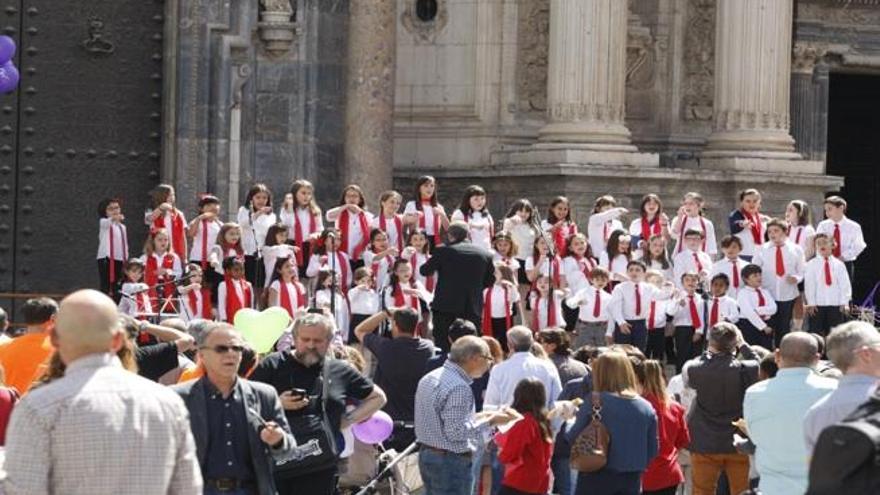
(529, 397)
(603, 201)
(613, 372)
(356, 188)
(836, 201)
(653, 381)
(494, 348)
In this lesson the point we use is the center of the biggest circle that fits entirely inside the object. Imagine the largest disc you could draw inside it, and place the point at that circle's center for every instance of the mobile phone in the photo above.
(298, 393)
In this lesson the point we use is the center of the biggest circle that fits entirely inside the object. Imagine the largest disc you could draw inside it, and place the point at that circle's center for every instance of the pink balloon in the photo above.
(375, 430)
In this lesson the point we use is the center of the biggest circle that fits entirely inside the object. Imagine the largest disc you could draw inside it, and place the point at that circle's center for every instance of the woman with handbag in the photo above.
(614, 440)
(526, 448)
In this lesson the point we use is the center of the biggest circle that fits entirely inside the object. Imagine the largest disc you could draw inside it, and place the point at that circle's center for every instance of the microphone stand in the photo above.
(257, 252)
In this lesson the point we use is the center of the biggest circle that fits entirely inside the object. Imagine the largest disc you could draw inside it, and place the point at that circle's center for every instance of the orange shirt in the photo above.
(23, 358)
(193, 373)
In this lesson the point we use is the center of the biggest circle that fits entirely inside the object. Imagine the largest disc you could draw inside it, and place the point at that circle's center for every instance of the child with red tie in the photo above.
(656, 320)
(690, 217)
(720, 306)
(617, 255)
(135, 296)
(195, 297)
(630, 302)
(688, 313)
(164, 215)
(783, 264)
(235, 293)
(748, 224)
(603, 221)
(425, 212)
(285, 290)
(353, 223)
(389, 221)
(559, 225)
(112, 246)
(827, 287)
(692, 258)
(576, 267)
(731, 264)
(756, 307)
(592, 303)
(546, 305)
(651, 222)
(847, 234)
(302, 216)
(499, 305)
(363, 299)
(204, 229)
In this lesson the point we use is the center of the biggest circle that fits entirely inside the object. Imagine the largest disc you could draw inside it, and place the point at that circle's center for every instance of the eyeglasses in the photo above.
(487, 358)
(223, 349)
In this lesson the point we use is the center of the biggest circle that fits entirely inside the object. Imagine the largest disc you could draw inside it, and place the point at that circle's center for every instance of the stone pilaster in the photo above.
(369, 121)
(587, 73)
(752, 77)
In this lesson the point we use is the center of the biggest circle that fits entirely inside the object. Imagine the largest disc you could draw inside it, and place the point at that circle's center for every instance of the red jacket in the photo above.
(672, 430)
(526, 456)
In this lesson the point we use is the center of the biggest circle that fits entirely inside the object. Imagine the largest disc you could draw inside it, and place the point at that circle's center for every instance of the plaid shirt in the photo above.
(445, 411)
(101, 429)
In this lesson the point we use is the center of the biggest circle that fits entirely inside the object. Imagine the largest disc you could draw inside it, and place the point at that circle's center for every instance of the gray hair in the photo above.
(197, 326)
(519, 338)
(844, 340)
(466, 348)
(457, 232)
(212, 327)
(798, 350)
(314, 320)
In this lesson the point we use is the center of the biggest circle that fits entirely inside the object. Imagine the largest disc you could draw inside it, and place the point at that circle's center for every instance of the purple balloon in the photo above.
(375, 430)
(7, 49)
(9, 77)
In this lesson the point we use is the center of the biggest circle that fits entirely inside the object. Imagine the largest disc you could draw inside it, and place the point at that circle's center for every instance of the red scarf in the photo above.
(365, 234)
(400, 300)
(755, 219)
(554, 271)
(536, 310)
(113, 251)
(142, 300)
(205, 225)
(233, 303)
(398, 225)
(284, 297)
(585, 265)
(561, 235)
(419, 206)
(377, 263)
(429, 280)
(151, 274)
(239, 251)
(650, 228)
(487, 311)
(200, 306)
(298, 240)
(342, 266)
(683, 228)
(176, 228)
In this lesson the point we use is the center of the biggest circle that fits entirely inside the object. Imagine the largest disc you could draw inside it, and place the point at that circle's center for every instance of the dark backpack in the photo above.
(846, 459)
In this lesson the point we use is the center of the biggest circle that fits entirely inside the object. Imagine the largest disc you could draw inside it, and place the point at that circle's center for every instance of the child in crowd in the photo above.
(380, 257)
(690, 217)
(603, 221)
(576, 268)
(651, 222)
(545, 304)
(424, 212)
(255, 217)
(352, 221)
(756, 307)
(721, 306)
(330, 299)
(164, 215)
(363, 300)
(505, 250)
(783, 269)
(617, 255)
(656, 319)
(162, 268)
(593, 316)
(541, 264)
(731, 264)
(499, 305)
(630, 302)
(329, 256)
(800, 230)
(302, 217)
(285, 290)
(692, 258)
(195, 296)
(559, 225)
(473, 211)
(418, 253)
(520, 222)
(847, 234)
(277, 246)
(404, 291)
(827, 287)
(228, 245)
(204, 229)
(235, 293)
(389, 220)
(688, 313)
(656, 257)
(135, 297)
(748, 224)
(112, 246)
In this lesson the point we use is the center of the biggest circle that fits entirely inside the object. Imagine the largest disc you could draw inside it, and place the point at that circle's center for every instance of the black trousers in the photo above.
(656, 344)
(571, 317)
(637, 336)
(826, 318)
(685, 349)
(781, 321)
(317, 483)
(254, 271)
(754, 336)
(499, 331)
(104, 277)
(442, 320)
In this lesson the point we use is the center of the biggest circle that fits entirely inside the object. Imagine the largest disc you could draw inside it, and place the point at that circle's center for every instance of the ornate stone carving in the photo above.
(533, 41)
(858, 12)
(805, 56)
(424, 31)
(96, 44)
(277, 6)
(276, 28)
(699, 61)
(640, 57)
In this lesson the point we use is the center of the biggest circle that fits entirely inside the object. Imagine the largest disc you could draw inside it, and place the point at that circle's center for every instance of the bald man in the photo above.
(100, 428)
(774, 410)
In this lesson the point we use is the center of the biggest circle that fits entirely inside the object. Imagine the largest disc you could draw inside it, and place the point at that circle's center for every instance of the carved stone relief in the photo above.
(699, 61)
(805, 55)
(424, 31)
(862, 12)
(533, 41)
(640, 56)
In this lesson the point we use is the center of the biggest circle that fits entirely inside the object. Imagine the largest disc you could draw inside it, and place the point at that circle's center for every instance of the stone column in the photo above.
(752, 77)
(369, 115)
(587, 73)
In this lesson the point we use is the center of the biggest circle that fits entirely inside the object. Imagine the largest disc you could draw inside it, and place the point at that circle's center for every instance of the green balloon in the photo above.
(261, 329)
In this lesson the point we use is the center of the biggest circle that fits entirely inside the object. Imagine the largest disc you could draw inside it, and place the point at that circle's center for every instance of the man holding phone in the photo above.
(314, 389)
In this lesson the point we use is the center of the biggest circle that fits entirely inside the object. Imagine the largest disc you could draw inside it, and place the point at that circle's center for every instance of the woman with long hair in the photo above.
(525, 449)
(631, 424)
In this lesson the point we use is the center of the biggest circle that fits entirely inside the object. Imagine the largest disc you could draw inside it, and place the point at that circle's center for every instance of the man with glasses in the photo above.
(239, 426)
(315, 390)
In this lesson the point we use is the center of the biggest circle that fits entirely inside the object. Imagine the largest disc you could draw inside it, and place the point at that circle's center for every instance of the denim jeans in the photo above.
(445, 473)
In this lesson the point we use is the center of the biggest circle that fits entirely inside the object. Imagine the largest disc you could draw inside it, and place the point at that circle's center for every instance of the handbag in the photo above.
(589, 453)
(312, 432)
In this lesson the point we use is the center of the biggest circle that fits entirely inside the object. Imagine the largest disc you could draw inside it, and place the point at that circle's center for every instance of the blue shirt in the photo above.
(852, 391)
(228, 452)
(632, 426)
(774, 412)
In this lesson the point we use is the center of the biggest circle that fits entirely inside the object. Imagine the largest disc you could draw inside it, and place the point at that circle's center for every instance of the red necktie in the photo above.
(697, 261)
(112, 266)
(597, 305)
(837, 240)
(713, 317)
(695, 316)
(735, 275)
(761, 301)
(827, 273)
(638, 301)
(651, 312)
(204, 244)
(780, 264)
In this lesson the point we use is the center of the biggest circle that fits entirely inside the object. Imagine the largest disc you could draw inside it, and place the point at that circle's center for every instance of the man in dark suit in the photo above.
(238, 425)
(463, 271)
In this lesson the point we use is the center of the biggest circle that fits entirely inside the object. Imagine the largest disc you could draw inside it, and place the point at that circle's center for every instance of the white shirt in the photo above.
(292, 293)
(254, 228)
(852, 242)
(217, 256)
(660, 309)
(382, 268)
(480, 225)
(221, 298)
(685, 262)
(431, 223)
(202, 241)
(600, 227)
(169, 223)
(271, 255)
(623, 300)
(120, 240)
(615, 266)
(420, 259)
(341, 265)
(585, 299)
(681, 315)
(749, 308)
(523, 234)
(747, 239)
(792, 261)
(505, 376)
(727, 266)
(728, 310)
(802, 235)
(539, 306)
(388, 295)
(65, 436)
(391, 230)
(544, 267)
(342, 316)
(132, 294)
(694, 223)
(176, 266)
(817, 292)
(498, 291)
(363, 301)
(355, 233)
(301, 220)
(513, 263)
(189, 312)
(577, 272)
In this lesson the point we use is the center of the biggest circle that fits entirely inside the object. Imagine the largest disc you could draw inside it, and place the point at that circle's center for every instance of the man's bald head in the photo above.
(797, 350)
(87, 323)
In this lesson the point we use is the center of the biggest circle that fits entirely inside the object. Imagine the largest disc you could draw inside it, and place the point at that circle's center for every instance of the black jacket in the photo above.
(257, 396)
(463, 271)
